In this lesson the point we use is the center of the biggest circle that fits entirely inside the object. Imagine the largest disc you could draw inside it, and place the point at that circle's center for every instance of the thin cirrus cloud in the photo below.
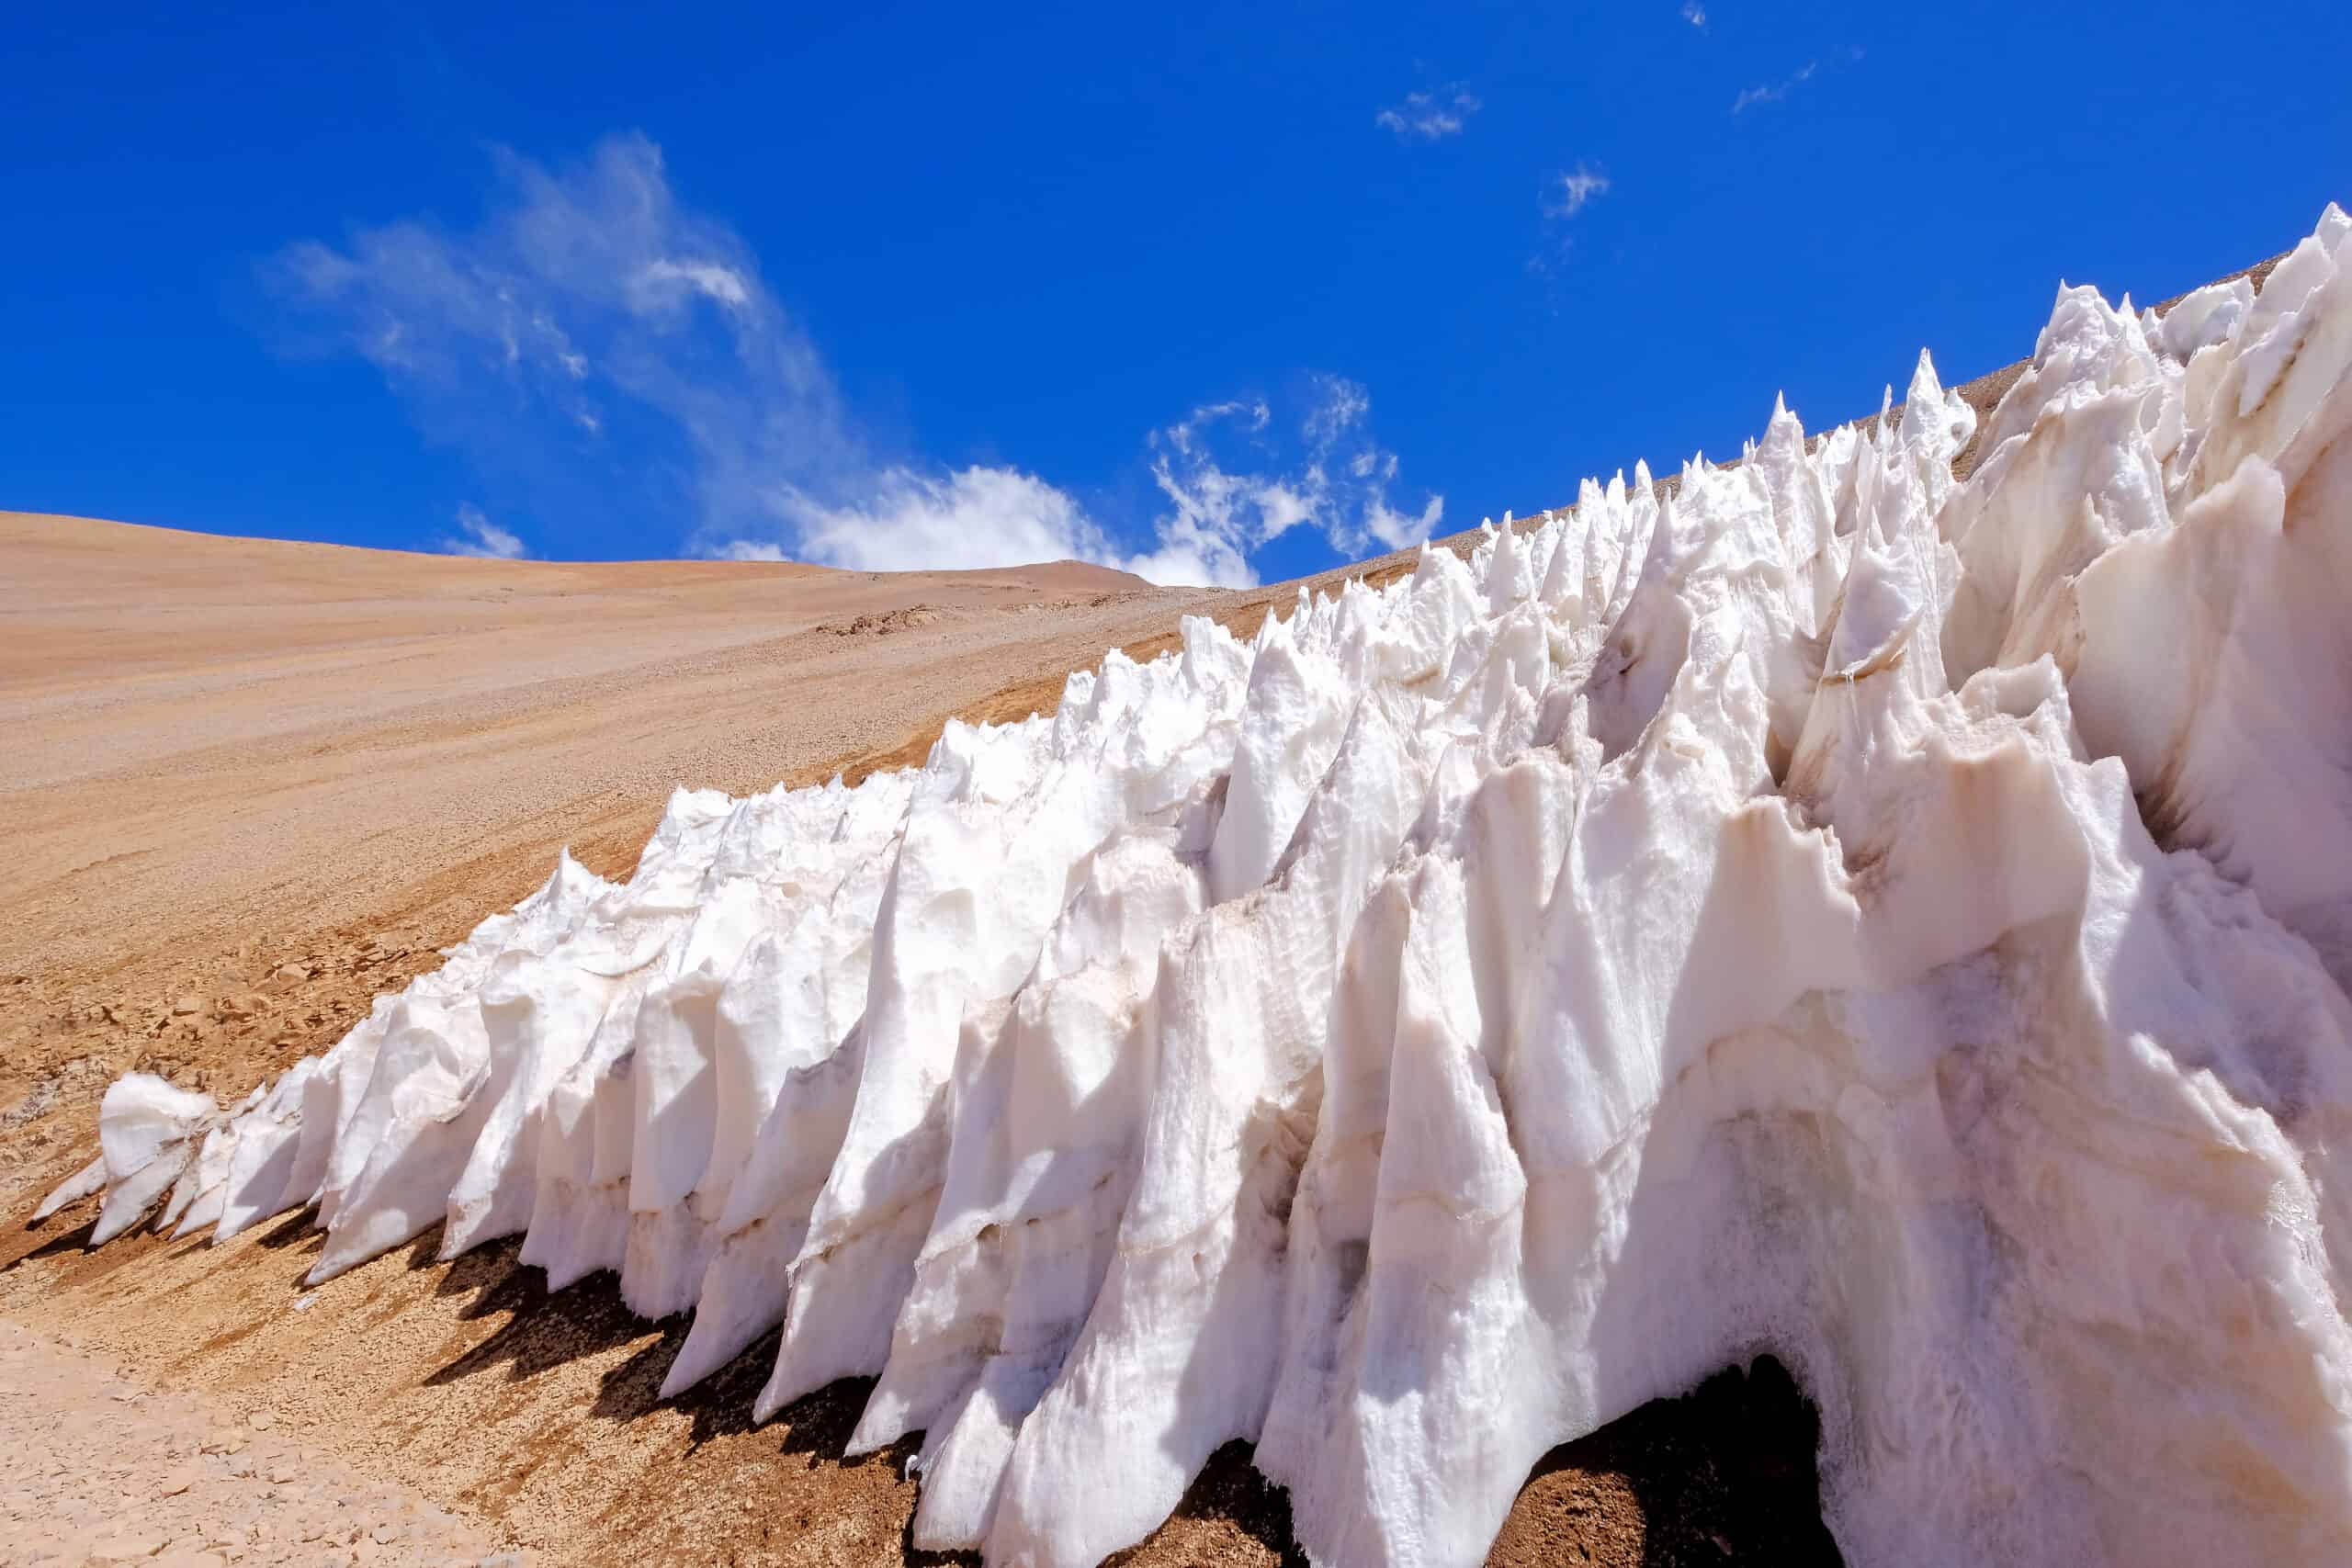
(1572, 192)
(1430, 117)
(595, 342)
(1694, 13)
(1565, 196)
(1774, 92)
(477, 535)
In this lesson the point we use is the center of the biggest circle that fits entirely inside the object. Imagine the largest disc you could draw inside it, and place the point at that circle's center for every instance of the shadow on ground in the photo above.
(1725, 1474)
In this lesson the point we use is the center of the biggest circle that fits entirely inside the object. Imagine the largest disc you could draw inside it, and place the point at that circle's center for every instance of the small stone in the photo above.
(261, 1420)
(176, 1483)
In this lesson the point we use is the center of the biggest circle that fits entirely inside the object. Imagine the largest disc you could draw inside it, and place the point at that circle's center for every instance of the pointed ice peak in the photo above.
(1783, 434)
(86, 1182)
(1274, 632)
(1923, 406)
(570, 883)
(1504, 559)
(2333, 228)
(1923, 385)
(147, 1133)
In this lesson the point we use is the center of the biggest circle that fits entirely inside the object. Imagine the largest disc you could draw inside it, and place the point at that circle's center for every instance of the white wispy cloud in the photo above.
(1563, 196)
(1773, 92)
(659, 283)
(1236, 484)
(1572, 190)
(1694, 13)
(595, 342)
(1430, 117)
(477, 535)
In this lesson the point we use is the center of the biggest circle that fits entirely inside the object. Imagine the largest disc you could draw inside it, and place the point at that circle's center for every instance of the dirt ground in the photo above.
(120, 1472)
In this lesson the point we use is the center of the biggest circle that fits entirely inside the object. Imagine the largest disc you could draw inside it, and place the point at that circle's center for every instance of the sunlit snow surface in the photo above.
(1896, 923)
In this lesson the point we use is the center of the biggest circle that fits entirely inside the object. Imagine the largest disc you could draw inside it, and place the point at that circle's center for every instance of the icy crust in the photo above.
(1896, 923)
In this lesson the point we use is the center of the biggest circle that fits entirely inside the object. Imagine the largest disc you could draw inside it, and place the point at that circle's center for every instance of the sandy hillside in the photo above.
(253, 784)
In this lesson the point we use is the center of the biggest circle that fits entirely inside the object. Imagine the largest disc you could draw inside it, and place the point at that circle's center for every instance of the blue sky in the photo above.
(1231, 293)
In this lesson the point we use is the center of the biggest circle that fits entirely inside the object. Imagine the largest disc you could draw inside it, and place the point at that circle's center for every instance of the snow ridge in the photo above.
(1899, 923)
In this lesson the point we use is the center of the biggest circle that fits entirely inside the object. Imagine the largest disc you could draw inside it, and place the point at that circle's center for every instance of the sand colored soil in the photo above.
(114, 1470)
